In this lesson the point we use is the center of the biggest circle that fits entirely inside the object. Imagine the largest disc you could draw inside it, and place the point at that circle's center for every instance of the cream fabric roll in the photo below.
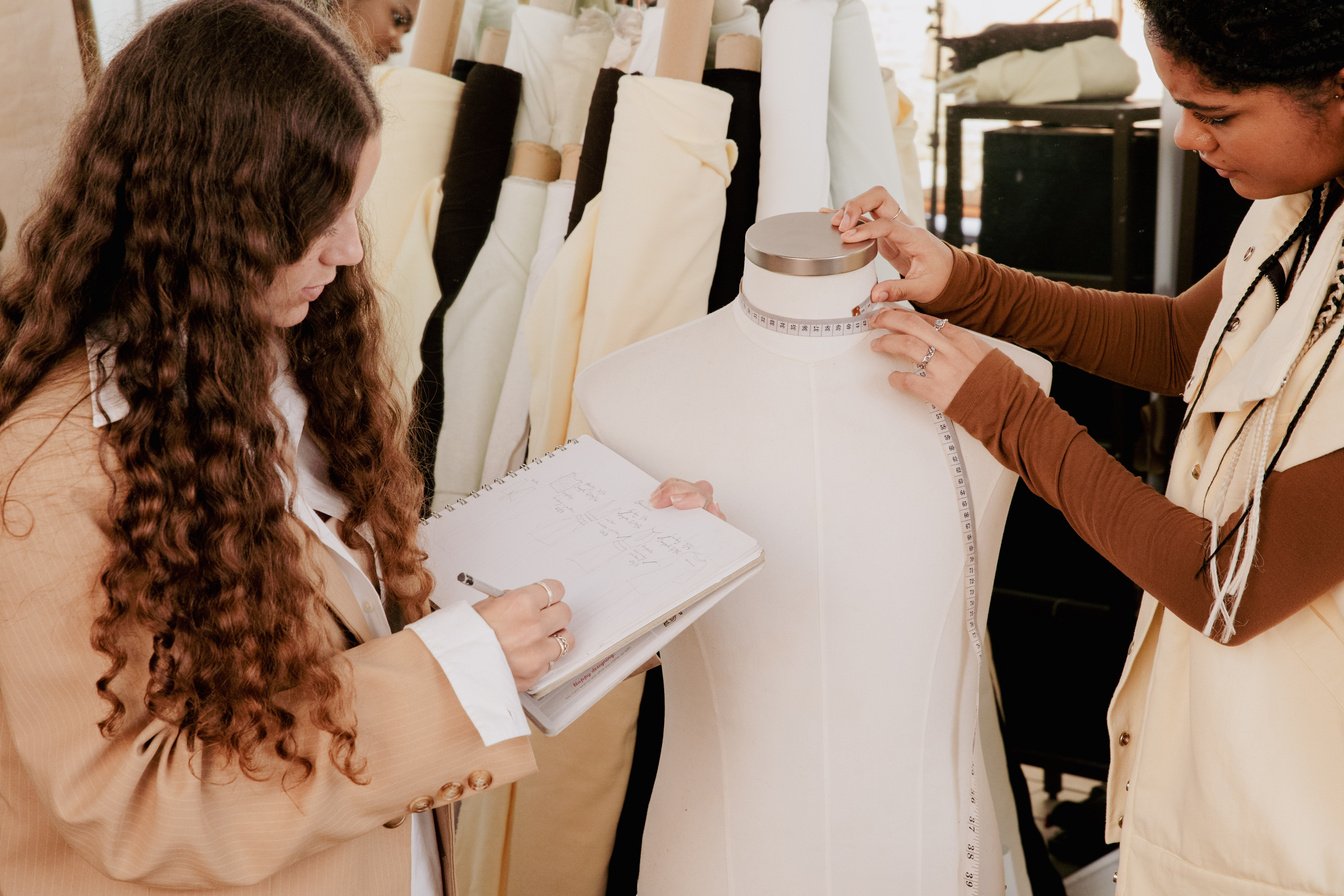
(419, 111)
(507, 446)
(746, 21)
(478, 334)
(535, 45)
(795, 80)
(582, 53)
(652, 241)
(43, 87)
(1095, 68)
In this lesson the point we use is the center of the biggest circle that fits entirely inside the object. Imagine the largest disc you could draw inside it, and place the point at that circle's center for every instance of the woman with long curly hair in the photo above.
(207, 512)
(1227, 727)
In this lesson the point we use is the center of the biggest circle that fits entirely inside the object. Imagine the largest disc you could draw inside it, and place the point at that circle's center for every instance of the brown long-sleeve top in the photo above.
(1150, 342)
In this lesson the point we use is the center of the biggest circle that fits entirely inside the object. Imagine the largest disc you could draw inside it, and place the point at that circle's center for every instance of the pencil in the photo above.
(472, 582)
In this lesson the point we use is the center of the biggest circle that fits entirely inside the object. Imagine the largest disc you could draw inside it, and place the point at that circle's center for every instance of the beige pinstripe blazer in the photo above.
(82, 814)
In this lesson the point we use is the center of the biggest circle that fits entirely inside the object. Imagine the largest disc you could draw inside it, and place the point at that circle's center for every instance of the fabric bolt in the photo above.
(596, 138)
(645, 61)
(478, 334)
(744, 129)
(496, 14)
(1091, 69)
(462, 68)
(795, 80)
(654, 245)
(747, 21)
(507, 446)
(972, 49)
(575, 74)
(904, 130)
(468, 31)
(628, 23)
(535, 45)
(471, 184)
(44, 87)
(419, 114)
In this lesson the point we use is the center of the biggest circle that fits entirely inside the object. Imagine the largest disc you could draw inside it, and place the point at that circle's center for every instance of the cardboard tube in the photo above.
(569, 160)
(436, 35)
(494, 42)
(741, 51)
(534, 160)
(685, 41)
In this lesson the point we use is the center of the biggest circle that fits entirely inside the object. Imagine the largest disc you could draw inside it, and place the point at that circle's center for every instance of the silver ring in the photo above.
(919, 371)
(564, 645)
(550, 595)
(939, 324)
(928, 356)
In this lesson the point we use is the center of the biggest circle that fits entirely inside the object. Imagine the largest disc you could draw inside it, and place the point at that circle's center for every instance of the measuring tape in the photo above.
(859, 322)
(970, 808)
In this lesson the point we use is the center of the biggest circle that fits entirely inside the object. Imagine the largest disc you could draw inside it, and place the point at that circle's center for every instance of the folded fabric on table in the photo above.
(973, 49)
(1092, 69)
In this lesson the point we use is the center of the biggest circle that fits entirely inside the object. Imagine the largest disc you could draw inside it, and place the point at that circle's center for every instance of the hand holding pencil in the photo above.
(530, 623)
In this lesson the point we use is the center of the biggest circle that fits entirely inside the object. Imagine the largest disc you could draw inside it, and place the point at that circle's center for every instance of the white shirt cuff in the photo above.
(469, 654)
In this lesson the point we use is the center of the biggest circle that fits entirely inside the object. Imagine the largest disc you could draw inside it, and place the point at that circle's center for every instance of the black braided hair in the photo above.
(1239, 44)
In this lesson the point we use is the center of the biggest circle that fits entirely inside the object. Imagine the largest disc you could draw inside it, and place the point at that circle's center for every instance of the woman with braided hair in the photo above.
(1227, 727)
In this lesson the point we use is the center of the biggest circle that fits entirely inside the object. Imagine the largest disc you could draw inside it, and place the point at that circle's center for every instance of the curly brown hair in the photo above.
(218, 145)
(1240, 44)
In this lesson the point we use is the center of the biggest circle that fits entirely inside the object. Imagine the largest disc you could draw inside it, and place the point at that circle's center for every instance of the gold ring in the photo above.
(564, 645)
(550, 595)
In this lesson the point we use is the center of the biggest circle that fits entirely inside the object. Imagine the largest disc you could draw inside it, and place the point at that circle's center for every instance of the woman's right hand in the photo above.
(530, 625)
(923, 260)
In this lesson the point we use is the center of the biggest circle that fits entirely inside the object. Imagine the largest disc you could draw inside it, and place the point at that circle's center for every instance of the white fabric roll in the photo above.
(469, 31)
(1094, 68)
(507, 445)
(419, 112)
(903, 130)
(535, 43)
(795, 80)
(582, 53)
(746, 21)
(654, 242)
(478, 333)
(645, 59)
(629, 26)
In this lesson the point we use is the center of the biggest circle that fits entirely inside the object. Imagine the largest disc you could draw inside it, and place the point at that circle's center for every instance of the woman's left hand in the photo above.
(943, 355)
(685, 495)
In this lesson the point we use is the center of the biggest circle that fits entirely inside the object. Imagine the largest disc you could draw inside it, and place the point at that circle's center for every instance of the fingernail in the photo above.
(844, 220)
(882, 296)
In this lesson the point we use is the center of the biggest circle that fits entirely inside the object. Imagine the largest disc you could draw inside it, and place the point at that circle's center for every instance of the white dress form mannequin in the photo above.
(812, 722)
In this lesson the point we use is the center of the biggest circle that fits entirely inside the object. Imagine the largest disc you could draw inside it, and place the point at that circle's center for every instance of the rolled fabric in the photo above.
(419, 114)
(903, 131)
(861, 146)
(475, 171)
(478, 336)
(746, 21)
(744, 129)
(535, 45)
(596, 138)
(645, 60)
(795, 80)
(507, 445)
(652, 243)
(970, 50)
(462, 68)
(575, 74)
(629, 25)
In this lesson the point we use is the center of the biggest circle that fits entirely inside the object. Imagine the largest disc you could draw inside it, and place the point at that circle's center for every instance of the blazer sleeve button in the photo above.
(480, 780)
(421, 804)
(449, 792)
(396, 822)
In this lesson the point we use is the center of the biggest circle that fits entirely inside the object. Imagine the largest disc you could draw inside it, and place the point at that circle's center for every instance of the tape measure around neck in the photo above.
(797, 326)
(970, 857)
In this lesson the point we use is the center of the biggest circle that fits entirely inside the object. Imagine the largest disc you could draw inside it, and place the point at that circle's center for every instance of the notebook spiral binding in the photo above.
(499, 480)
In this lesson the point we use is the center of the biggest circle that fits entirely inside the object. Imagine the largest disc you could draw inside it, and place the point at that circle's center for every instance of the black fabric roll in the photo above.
(744, 129)
(596, 138)
(478, 159)
(462, 68)
(973, 49)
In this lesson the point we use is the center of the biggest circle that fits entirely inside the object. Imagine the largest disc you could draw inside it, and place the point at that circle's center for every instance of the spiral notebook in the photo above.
(580, 514)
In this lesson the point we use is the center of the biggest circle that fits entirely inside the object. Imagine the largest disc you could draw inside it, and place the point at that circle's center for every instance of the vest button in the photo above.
(1233, 324)
(1124, 738)
(1120, 822)
(1249, 252)
(1195, 472)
